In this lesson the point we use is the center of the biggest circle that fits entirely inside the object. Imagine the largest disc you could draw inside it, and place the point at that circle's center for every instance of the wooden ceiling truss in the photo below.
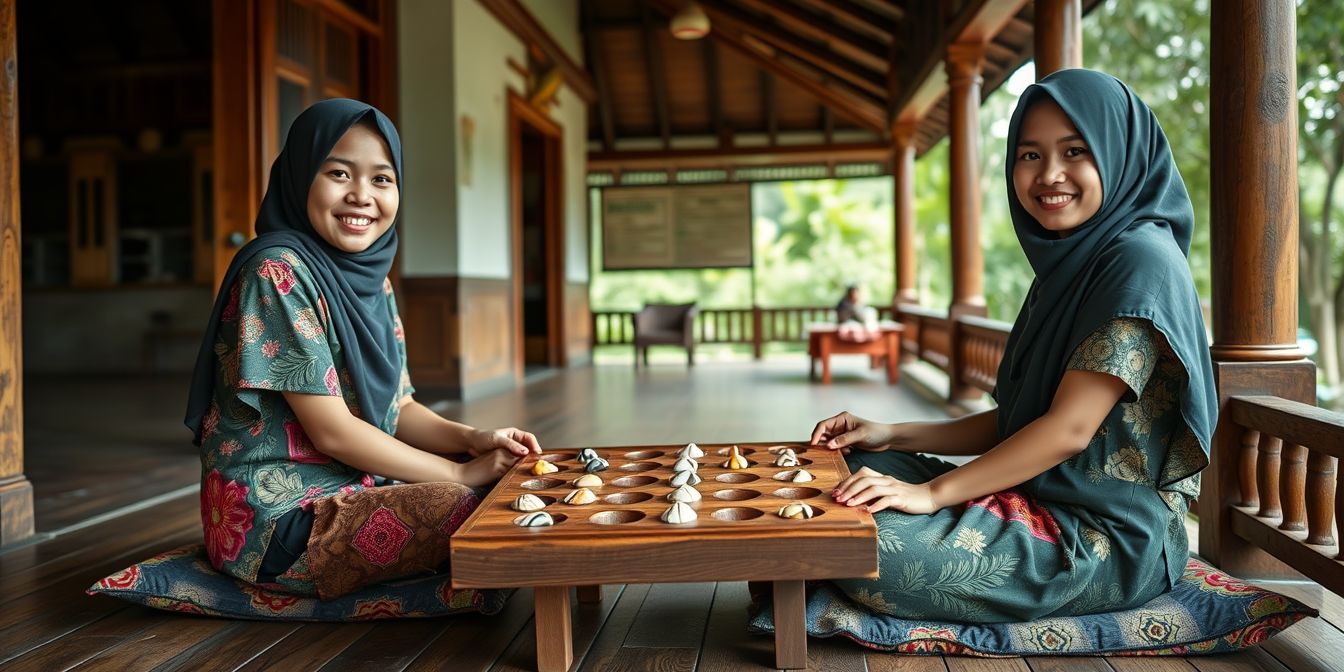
(781, 82)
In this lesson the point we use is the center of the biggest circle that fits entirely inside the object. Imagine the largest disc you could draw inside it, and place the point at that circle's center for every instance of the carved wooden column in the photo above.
(903, 210)
(964, 61)
(16, 493)
(1253, 169)
(1058, 35)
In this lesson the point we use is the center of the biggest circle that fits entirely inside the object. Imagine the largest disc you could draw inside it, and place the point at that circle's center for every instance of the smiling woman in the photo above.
(1055, 175)
(354, 197)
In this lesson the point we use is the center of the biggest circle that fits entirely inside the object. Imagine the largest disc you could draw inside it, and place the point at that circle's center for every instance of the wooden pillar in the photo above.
(1058, 36)
(903, 210)
(16, 493)
(964, 61)
(1253, 170)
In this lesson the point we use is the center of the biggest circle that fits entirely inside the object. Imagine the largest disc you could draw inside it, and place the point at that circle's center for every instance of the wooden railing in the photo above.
(979, 348)
(1288, 475)
(753, 326)
(928, 334)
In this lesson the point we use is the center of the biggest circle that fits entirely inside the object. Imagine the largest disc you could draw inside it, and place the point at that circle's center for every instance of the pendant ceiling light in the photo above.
(690, 22)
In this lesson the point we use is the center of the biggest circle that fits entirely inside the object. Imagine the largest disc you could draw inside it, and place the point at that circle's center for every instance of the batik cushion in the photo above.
(1206, 612)
(183, 580)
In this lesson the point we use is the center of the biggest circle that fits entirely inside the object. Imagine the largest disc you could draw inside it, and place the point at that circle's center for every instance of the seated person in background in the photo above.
(856, 321)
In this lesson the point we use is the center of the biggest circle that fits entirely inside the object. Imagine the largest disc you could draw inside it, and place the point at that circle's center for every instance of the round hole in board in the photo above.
(628, 498)
(616, 517)
(736, 494)
(645, 454)
(738, 513)
(634, 481)
(639, 466)
(542, 484)
(736, 477)
(796, 493)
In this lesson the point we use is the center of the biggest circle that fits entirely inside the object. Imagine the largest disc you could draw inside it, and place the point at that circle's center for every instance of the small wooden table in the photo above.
(738, 536)
(823, 341)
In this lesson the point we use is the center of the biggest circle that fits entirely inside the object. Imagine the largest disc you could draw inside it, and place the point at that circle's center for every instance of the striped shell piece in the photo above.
(538, 519)
(528, 503)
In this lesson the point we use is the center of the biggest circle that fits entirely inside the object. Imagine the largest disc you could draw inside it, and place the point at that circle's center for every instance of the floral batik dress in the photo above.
(1102, 531)
(257, 462)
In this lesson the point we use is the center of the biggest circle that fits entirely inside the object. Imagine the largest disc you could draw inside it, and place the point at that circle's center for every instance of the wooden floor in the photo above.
(47, 623)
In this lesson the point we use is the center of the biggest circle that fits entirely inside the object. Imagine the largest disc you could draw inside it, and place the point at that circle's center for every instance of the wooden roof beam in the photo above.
(769, 102)
(525, 27)
(860, 17)
(712, 98)
(978, 22)
(653, 63)
(818, 56)
(865, 112)
(858, 46)
(681, 159)
(593, 53)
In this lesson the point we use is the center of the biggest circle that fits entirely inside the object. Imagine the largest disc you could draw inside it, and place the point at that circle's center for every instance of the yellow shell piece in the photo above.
(580, 497)
(735, 460)
(796, 510)
(588, 481)
(544, 467)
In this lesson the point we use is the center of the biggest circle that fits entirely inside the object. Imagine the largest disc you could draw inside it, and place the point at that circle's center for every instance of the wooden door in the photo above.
(274, 58)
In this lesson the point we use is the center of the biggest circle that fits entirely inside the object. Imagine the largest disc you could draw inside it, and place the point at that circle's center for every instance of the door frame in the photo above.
(523, 114)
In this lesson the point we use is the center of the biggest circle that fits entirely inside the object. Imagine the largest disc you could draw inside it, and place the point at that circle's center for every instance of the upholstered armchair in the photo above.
(665, 324)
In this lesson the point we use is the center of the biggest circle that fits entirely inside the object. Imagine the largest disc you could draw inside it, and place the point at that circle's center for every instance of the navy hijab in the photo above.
(351, 282)
(1127, 260)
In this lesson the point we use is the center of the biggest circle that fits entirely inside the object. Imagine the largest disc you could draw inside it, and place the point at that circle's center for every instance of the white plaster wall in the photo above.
(572, 115)
(429, 224)
(560, 18)
(481, 47)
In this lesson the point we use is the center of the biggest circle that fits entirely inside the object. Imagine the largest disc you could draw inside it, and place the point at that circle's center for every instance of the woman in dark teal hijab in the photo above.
(1084, 472)
(301, 396)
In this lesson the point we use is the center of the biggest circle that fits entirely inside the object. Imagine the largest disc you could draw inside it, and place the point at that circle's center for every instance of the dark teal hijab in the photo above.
(351, 282)
(1128, 260)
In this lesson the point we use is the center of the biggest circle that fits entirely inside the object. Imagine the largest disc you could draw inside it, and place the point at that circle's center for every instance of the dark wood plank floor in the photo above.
(47, 623)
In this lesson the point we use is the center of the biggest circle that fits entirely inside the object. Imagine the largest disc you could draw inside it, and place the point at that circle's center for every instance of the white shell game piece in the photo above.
(528, 503)
(538, 519)
(685, 478)
(796, 510)
(678, 514)
(787, 458)
(543, 467)
(685, 464)
(684, 493)
(735, 460)
(580, 497)
(692, 451)
(588, 481)
(802, 476)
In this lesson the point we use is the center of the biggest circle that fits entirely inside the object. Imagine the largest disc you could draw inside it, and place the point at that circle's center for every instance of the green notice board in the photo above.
(676, 227)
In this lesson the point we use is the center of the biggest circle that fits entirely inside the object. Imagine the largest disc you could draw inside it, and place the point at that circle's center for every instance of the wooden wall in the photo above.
(578, 324)
(16, 493)
(459, 333)
(487, 330)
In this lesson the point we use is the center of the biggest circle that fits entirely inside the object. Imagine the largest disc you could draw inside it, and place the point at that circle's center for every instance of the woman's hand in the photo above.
(845, 431)
(511, 440)
(487, 468)
(874, 492)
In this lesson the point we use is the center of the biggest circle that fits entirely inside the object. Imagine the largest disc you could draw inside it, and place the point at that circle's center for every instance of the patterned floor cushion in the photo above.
(183, 580)
(1207, 612)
